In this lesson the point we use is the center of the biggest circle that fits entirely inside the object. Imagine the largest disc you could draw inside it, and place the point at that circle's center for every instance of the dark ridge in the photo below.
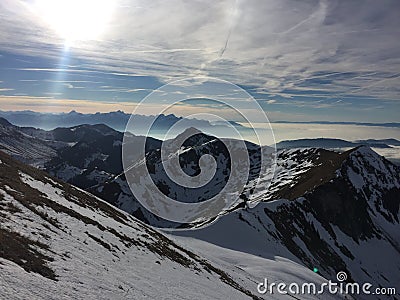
(5, 123)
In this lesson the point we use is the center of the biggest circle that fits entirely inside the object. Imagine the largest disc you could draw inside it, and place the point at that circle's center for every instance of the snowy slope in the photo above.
(60, 242)
(24, 147)
(336, 211)
(349, 222)
(239, 265)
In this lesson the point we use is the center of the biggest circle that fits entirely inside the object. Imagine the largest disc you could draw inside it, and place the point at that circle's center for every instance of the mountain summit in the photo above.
(347, 220)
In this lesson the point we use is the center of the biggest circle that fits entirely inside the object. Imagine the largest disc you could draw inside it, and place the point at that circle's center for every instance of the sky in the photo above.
(298, 60)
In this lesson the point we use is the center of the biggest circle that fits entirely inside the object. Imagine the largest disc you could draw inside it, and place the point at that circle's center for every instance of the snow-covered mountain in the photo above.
(37, 147)
(341, 215)
(88, 156)
(25, 147)
(334, 211)
(57, 241)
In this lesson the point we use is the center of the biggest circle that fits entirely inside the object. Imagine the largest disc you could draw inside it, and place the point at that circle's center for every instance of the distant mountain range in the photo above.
(389, 124)
(391, 142)
(329, 143)
(116, 120)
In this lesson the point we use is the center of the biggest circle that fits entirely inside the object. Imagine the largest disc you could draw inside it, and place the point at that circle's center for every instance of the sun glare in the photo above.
(76, 20)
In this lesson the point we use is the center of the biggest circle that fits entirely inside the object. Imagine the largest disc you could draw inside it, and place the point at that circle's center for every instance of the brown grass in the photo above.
(326, 163)
(25, 252)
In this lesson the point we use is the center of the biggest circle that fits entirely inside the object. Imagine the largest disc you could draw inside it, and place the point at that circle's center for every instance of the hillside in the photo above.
(348, 221)
(58, 241)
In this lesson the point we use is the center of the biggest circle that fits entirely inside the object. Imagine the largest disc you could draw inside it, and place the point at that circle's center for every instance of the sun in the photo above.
(76, 20)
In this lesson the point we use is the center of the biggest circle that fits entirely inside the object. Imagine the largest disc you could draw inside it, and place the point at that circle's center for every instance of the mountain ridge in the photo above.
(117, 120)
(335, 143)
(335, 226)
(388, 124)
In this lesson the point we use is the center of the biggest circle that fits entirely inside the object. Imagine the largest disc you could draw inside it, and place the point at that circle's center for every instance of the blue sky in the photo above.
(300, 60)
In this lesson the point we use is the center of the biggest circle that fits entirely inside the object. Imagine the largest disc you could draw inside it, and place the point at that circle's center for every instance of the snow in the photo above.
(87, 270)
(355, 178)
(240, 264)
(290, 165)
(24, 147)
(251, 230)
(245, 243)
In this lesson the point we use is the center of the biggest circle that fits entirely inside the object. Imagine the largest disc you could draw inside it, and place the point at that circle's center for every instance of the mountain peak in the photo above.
(364, 150)
(191, 131)
(186, 134)
(73, 112)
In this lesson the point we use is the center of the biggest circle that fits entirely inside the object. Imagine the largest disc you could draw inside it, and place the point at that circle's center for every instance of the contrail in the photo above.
(230, 30)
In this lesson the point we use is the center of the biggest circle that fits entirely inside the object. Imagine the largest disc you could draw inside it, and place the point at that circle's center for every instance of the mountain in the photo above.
(91, 159)
(389, 124)
(59, 241)
(48, 121)
(117, 120)
(342, 215)
(24, 147)
(4, 122)
(391, 142)
(89, 156)
(329, 143)
(324, 209)
(96, 166)
(37, 147)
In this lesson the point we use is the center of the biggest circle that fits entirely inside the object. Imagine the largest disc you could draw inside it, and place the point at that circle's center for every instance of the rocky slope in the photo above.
(347, 220)
(25, 147)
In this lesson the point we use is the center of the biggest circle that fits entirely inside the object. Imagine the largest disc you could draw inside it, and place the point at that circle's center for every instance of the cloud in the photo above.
(347, 132)
(281, 47)
(68, 85)
(116, 89)
(71, 86)
(49, 104)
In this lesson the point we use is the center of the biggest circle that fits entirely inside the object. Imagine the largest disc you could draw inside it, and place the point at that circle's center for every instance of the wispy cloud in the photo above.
(49, 104)
(71, 86)
(320, 49)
